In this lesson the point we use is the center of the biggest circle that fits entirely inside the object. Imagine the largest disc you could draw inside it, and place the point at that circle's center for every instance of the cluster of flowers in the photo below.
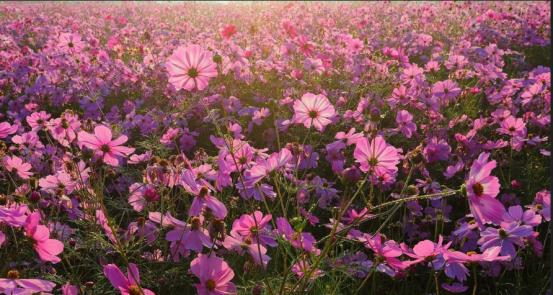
(271, 149)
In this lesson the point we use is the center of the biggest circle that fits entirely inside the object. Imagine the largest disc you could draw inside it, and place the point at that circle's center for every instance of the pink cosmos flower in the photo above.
(127, 285)
(543, 202)
(38, 120)
(302, 267)
(102, 220)
(203, 198)
(313, 110)
(446, 90)
(513, 126)
(141, 195)
(386, 253)
(228, 31)
(60, 183)
(314, 65)
(64, 129)
(376, 155)
(215, 275)
(69, 289)
(46, 248)
(21, 168)
(300, 240)
(7, 129)
(405, 124)
(255, 226)
(351, 136)
(241, 244)
(70, 42)
(191, 67)
(14, 215)
(103, 146)
(14, 285)
(189, 237)
(482, 189)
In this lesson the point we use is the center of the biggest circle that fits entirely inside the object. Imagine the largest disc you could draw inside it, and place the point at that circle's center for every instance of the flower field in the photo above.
(275, 148)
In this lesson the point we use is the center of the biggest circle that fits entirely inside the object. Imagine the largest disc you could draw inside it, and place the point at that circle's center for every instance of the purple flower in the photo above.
(507, 237)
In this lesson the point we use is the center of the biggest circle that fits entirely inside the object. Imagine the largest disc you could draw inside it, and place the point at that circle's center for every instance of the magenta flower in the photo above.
(14, 285)
(255, 226)
(190, 237)
(21, 168)
(46, 248)
(191, 67)
(127, 285)
(482, 189)
(7, 129)
(299, 240)
(203, 198)
(303, 267)
(513, 126)
(376, 155)
(102, 220)
(64, 129)
(386, 253)
(214, 274)
(313, 110)
(242, 244)
(543, 202)
(103, 146)
(436, 150)
(405, 124)
(446, 90)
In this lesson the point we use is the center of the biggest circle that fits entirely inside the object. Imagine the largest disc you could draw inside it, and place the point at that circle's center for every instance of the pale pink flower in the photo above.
(191, 67)
(21, 168)
(313, 110)
(377, 154)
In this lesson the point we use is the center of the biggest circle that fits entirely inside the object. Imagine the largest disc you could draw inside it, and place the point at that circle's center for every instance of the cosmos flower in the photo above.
(506, 237)
(214, 274)
(375, 155)
(482, 189)
(513, 126)
(405, 124)
(46, 248)
(127, 285)
(313, 110)
(190, 237)
(255, 226)
(16, 163)
(12, 284)
(103, 146)
(191, 67)
(202, 197)
(228, 31)
(141, 195)
(7, 129)
(70, 42)
(302, 240)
